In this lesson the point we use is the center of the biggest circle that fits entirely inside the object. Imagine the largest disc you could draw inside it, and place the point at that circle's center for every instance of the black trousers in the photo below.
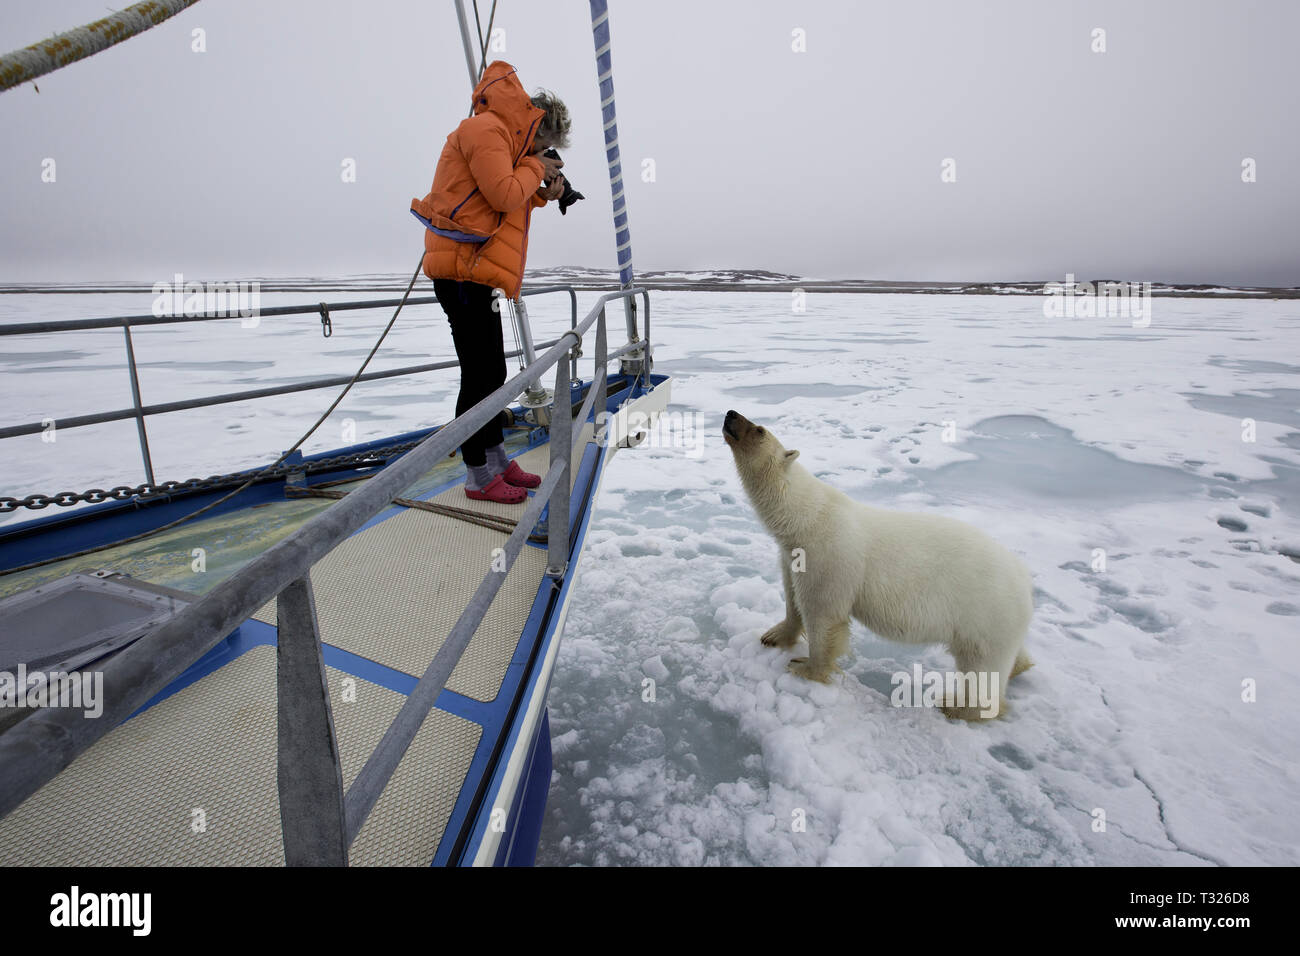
(480, 347)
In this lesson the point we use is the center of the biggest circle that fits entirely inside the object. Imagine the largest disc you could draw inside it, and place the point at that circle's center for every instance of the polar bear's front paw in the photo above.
(802, 667)
(781, 635)
(972, 714)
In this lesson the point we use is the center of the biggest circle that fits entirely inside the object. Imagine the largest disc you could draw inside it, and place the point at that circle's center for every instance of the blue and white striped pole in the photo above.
(605, 75)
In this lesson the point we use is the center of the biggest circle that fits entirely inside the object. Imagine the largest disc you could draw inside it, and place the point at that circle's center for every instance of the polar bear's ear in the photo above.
(790, 456)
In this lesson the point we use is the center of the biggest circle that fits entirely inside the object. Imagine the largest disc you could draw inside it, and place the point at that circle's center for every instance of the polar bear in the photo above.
(916, 578)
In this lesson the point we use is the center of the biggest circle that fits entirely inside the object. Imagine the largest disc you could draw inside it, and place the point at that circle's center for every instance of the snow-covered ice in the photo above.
(1070, 436)
(1073, 439)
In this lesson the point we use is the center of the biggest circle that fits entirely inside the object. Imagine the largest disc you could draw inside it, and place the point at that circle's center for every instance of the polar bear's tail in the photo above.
(1023, 663)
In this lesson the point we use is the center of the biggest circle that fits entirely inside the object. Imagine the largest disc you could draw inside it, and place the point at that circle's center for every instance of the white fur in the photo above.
(916, 578)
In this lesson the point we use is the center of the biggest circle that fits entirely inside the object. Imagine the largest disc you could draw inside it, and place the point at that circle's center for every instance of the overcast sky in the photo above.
(825, 163)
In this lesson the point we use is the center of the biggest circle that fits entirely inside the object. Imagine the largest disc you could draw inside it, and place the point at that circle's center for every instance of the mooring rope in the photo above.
(76, 44)
(495, 522)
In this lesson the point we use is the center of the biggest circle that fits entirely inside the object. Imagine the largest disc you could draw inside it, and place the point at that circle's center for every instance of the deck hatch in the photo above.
(77, 619)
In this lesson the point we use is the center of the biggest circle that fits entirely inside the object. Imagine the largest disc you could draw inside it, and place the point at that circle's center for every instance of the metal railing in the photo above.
(140, 411)
(319, 821)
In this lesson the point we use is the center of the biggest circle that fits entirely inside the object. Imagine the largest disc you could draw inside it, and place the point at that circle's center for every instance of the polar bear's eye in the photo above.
(760, 429)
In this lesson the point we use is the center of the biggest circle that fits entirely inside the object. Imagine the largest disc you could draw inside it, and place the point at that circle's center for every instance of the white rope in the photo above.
(77, 44)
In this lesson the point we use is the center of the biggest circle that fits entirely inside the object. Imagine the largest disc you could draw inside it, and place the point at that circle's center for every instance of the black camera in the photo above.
(570, 195)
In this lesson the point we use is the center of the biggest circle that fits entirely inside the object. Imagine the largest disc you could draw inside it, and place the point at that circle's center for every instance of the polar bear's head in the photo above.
(760, 458)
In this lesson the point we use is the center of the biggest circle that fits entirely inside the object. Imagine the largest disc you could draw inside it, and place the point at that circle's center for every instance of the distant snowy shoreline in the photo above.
(718, 280)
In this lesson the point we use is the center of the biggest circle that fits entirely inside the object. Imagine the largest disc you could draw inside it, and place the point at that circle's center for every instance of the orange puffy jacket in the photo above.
(485, 188)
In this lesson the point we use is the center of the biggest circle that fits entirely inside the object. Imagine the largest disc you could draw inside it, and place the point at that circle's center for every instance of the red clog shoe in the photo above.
(497, 490)
(516, 476)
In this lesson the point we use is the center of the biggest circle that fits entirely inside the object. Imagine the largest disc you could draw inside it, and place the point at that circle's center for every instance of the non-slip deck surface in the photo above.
(393, 592)
(192, 781)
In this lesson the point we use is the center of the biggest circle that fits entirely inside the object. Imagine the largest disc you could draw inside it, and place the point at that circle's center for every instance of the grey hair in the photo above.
(553, 130)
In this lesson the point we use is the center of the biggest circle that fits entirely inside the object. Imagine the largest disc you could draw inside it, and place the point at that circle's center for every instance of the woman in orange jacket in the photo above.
(489, 179)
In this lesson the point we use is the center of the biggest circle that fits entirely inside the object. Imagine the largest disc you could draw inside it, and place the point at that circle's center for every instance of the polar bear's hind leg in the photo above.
(1023, 663)
(993, 668)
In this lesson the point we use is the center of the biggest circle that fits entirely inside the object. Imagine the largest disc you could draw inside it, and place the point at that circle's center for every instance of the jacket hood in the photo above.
(500, 92)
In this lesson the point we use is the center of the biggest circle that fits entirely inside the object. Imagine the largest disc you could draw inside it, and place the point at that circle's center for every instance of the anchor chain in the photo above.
(65, 499)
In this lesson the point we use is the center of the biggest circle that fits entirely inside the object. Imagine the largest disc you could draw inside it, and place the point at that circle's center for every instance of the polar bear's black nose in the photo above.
(728, 425)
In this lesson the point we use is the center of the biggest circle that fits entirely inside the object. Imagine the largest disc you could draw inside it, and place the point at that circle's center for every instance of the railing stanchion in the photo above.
(139, 412)
(561, 438)
(649, 361)
(310, 778)
(602, 377)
